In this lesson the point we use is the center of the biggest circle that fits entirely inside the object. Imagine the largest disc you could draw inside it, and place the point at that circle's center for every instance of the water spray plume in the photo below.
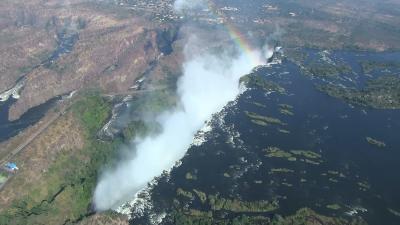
(208, 83)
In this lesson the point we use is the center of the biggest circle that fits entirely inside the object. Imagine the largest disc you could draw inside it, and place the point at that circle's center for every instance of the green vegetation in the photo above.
(136, 128)
(364, 186)
(321, 66)
(333, 180)
(235, 205)
(277, 152)
(301, 217)
(280, 170)
(380, 93)
(286, 112)
(372, 141)
(307, 154)
(286, 109)
(333, 207)
(283, 131)
(336, 174)
(202, 196)
(66, 191)
(256, 81)
(3, 177)
(287, 184)
(196, 217)
(217, 203)
(93, 111)
(187, 194)
(333, 172)
(297, 56)
(370, 66)
(156, 101)
(259, 104)
(313, 162)
(309, 157)
(323, 69)
(263, 120)
(190, 176)
(307, 216)
(259, 122)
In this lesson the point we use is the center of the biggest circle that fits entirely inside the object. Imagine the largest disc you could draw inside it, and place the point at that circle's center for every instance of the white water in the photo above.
(209, 82)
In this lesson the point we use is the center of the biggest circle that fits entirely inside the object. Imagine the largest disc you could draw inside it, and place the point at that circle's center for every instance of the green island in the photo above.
(379, 93)
(235, 205)
(364, 186)
(256, 81)
(374, 142)
(260, 123)
(286, 112)
(370, 66)
(190, 176)
(321, 68)
(309, 157)
(263, 120)
(287, 184)
(283, 131)
(202, 196)
(217, 203)
(285, 106)
(259, 104)
(334, 207)
(333, 180)
(332, 172)
(307, 154)
(301, 217)
(286, 109)
(336, 174)
(313, 162)
(187, 194)
(277, 152)
(227, 175)
(280, 170)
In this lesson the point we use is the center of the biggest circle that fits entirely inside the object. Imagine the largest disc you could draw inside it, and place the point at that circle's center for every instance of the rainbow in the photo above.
(236, 35)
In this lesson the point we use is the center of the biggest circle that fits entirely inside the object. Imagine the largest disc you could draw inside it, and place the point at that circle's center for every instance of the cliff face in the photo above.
(24, 41)
(74, 46)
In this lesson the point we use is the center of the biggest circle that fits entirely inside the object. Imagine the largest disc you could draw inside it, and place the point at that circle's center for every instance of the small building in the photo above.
(11, 167)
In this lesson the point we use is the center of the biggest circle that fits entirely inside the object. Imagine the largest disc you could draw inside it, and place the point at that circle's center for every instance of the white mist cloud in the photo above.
(209, 82)
(268, 51)
(182, 5)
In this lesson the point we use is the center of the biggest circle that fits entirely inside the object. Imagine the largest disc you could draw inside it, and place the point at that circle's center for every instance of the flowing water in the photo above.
(359, 177)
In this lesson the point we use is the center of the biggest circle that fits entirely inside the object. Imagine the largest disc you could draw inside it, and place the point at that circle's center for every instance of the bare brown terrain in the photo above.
(104, 220)
(112, 50)
(116, 43)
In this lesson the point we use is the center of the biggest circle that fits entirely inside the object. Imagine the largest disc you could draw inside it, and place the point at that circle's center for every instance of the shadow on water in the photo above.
(65, 44)
(9, 129)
